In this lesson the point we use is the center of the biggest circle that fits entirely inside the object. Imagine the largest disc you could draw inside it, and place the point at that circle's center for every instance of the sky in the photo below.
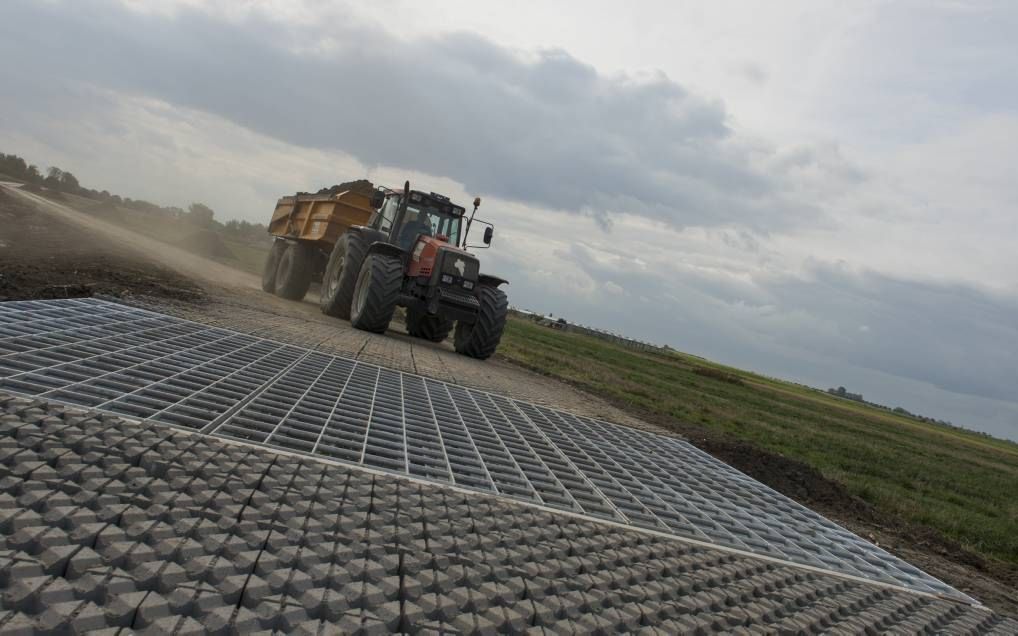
(819, 191)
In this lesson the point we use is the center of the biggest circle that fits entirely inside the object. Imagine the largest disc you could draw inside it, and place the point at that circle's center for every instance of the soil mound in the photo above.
(360, 185)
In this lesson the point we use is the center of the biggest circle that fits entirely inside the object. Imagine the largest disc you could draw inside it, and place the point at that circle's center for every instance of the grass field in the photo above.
(962, 485)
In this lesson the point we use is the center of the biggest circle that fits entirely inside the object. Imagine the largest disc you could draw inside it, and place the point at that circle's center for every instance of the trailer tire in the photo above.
(480, 338)
(376, 293)
(427, 326)
(293, 277)
(340, 276)
(272, 265)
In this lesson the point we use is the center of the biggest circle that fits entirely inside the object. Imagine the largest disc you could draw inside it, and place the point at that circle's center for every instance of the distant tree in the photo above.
(69, 183)
(16, 167)
(12, 165)
(53, 176)
(200, 214)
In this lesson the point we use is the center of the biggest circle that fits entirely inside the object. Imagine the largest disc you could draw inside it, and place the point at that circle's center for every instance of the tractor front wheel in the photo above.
(376, 293)
(341, 275)
(294, 274)
(480, 338)
(427, 326)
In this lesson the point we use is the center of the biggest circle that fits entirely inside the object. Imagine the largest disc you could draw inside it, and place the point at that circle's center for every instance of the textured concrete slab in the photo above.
(145, 364)
(225, 383)
(108, 524)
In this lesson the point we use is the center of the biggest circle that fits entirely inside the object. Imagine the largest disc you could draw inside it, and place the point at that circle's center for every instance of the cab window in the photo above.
(388, 214)
(444, 224)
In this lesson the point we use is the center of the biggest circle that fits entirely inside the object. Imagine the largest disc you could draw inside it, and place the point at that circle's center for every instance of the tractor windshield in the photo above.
(437, 222)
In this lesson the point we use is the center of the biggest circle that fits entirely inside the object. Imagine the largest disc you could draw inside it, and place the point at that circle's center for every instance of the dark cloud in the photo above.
(544, 129)
(952, 336)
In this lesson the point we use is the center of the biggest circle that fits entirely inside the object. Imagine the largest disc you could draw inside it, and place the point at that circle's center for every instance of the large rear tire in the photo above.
(376, 293)
(480, 338)
(272, 265)
(427, 326)
(293, 277)
(341, 275)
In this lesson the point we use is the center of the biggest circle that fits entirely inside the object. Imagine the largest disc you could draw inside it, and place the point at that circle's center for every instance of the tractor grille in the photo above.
(460, 266)
(448, 295)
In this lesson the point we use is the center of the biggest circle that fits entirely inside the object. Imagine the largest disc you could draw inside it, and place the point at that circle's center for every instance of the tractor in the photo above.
(411, 253)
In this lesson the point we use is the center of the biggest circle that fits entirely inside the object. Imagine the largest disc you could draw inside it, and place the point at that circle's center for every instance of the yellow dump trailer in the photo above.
(317, 217)
(306, 227)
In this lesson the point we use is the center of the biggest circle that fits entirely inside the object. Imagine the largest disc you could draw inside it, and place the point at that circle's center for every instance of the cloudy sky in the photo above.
(820, 191)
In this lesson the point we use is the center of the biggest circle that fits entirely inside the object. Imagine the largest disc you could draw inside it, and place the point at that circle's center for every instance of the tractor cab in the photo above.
(423, 215)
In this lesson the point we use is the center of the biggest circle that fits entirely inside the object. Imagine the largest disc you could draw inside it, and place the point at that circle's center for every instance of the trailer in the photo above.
(306, 227)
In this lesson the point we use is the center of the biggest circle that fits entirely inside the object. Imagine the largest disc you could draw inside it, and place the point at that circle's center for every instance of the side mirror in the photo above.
(488, 233)
(377, 199)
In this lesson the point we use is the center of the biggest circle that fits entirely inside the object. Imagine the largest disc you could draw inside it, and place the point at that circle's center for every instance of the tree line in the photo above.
(844, 393)
(58, 180)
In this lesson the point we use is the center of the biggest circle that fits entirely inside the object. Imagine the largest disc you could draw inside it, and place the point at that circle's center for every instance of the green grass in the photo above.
(963, 485)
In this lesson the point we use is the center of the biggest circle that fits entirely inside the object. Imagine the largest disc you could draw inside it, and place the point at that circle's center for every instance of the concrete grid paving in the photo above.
(114, 526)
(302, 324)
(151, 366)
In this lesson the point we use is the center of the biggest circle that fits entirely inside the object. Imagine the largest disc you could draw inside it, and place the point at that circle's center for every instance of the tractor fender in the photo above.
(369, 235)
(490, 280)
(388, 249)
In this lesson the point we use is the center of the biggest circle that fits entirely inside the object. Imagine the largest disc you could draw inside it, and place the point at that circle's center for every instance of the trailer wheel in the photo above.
(376, 292)
(427, 326)
(272, 266)
(341, 275)
(480, 338)
(294, 274)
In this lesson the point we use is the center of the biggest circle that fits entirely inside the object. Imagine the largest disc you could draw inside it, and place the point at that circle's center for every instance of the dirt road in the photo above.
(48, 249)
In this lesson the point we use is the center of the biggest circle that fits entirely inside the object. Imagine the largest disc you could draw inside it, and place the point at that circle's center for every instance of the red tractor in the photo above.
(412, 253)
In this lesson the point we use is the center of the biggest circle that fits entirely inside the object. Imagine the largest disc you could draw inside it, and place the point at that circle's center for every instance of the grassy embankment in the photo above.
(960, 484)
(211, 243)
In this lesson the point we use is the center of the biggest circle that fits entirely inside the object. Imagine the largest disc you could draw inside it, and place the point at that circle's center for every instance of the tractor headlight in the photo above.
(468, 284)
(447, 279)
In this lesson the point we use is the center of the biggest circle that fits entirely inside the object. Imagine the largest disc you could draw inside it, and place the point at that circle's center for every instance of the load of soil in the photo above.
(361, 185)
(206, 243)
